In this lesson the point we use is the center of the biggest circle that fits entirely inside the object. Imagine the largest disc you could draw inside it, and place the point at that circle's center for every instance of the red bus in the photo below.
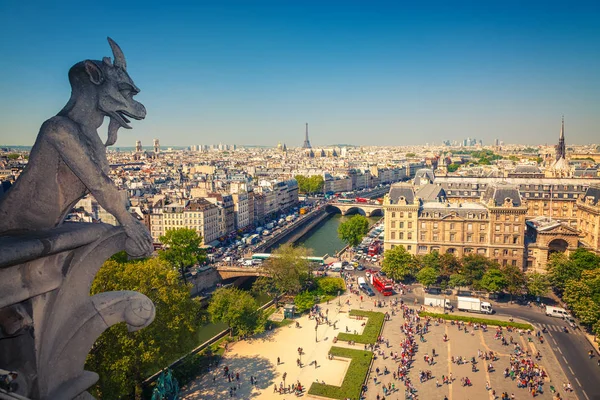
(362, 200)
(383, 285)
(374, 249)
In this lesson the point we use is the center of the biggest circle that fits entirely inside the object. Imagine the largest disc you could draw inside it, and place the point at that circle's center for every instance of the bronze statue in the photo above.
(68, 159)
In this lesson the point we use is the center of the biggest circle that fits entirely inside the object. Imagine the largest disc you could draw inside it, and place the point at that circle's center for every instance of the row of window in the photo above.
(522, 187)
(410, 214)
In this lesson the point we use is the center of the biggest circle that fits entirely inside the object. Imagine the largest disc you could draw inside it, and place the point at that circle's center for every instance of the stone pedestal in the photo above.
(48, 320)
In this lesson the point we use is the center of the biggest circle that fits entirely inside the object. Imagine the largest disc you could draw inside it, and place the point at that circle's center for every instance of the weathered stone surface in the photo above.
(48, 320)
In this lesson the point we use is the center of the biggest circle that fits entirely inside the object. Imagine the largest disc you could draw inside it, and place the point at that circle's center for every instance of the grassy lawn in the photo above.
(476, 320)
(372, 328)
(355, 375)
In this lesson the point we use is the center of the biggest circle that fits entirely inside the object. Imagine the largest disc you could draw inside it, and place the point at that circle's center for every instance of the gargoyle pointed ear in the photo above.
(119, 58)
(94, 72)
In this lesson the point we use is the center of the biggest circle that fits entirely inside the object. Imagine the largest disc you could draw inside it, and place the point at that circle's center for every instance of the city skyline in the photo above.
(389, 74)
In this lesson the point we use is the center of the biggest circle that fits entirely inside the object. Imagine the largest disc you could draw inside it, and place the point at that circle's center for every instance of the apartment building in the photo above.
(241, 211)
(588, 216)
(423, 220)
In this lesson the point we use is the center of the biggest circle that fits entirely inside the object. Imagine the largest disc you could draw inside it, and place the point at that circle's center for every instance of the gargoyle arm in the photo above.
(67, 139)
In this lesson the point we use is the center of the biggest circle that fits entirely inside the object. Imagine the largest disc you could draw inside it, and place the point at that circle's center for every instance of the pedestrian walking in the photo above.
(278, 360)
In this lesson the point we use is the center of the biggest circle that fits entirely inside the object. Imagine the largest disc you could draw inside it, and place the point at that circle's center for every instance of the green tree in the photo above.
(316, 183)
(596, 329)
(484, 161)
(493, 281)
(398, 263)
(428, 276)
(238, 309)
(410, 155)
(537, 284)
(574, 293)
(182, 249)
(474, 266)
(124, 359)
(304, 301)
(561, 270)
(458, 280)
(449, 264)
(453, 167)
(310, 185)
(287, 270)
(587, 311)
(353, 230)
(514, 159)
(584, 259)
(429, 260)
(331, 285)
(515, 279)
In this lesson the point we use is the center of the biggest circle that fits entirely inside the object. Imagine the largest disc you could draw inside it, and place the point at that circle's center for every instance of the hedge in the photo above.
(476, 320)
(355, 375)
(371, 330)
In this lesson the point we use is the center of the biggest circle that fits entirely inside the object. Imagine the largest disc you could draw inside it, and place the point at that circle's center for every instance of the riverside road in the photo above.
(571, 349)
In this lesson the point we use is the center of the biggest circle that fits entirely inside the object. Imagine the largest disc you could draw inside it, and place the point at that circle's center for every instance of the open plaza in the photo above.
(257, 366)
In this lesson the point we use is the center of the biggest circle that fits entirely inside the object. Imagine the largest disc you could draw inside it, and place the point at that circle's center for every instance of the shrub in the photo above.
(476, 320)
(371, 330)
(304, 301)
(355, 375)
(331, 285)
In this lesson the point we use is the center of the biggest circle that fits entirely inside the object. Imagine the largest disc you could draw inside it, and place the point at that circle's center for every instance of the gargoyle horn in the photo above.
(119, 58)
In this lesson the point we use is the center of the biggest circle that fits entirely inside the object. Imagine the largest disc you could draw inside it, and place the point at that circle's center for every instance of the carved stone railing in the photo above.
(48, 320)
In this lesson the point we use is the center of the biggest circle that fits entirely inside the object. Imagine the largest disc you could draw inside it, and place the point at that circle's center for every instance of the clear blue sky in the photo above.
(361, 72)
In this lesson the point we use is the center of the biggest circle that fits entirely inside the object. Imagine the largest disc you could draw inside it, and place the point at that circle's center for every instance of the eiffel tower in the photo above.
(306, 144)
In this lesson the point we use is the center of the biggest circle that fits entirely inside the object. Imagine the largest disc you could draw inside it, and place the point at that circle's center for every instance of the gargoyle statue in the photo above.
(68, 159)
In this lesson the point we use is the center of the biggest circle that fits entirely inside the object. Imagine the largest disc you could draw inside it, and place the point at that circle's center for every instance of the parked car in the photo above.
(348, 268)
(360, 267)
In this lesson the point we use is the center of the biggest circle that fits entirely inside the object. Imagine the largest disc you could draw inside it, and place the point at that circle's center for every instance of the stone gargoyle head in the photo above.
(111, 88)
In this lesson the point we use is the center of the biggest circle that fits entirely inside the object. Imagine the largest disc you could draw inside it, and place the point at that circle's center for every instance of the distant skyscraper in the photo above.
(561, 151)
(306, 144)
(138, 146)
(156, 146)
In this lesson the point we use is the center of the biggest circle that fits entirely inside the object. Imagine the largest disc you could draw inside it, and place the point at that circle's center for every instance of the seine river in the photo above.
(323, 238)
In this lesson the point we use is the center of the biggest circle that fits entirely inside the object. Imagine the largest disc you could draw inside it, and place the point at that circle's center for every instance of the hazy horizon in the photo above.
(382, 73)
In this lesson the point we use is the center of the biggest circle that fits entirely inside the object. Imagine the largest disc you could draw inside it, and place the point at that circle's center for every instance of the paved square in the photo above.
(257, 357)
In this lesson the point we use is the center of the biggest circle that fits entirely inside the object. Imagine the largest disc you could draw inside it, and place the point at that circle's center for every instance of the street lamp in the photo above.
(338, 296)
(316, 327)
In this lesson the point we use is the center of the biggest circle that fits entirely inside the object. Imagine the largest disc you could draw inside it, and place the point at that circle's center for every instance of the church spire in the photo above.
(561, 151)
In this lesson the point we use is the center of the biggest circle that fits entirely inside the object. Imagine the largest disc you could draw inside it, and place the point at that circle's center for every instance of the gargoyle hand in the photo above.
(139, 241)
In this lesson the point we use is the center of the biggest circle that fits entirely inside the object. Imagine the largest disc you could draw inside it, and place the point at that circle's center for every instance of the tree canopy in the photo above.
(493, 281)
(515, 279)
(310, 185)
(287, 270)
(353, 230)
(399, 264)
(123, 359)
(563, 268)
(428, 276)
(182, 249)
(238, 309)
(537, 284)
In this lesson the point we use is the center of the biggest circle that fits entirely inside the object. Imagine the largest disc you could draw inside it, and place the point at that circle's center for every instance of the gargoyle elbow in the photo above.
(133, 308)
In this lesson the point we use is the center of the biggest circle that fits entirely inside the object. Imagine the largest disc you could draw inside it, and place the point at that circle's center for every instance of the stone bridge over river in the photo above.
(367, 209)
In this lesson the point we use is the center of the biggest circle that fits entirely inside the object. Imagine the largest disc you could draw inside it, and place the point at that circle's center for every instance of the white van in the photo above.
(557, 312)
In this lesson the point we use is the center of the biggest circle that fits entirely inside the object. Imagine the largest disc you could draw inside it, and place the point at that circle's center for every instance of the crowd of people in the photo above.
(524, 368)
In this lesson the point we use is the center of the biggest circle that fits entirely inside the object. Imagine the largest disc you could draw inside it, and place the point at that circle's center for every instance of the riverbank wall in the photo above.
(302, 231)
(294, 233)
